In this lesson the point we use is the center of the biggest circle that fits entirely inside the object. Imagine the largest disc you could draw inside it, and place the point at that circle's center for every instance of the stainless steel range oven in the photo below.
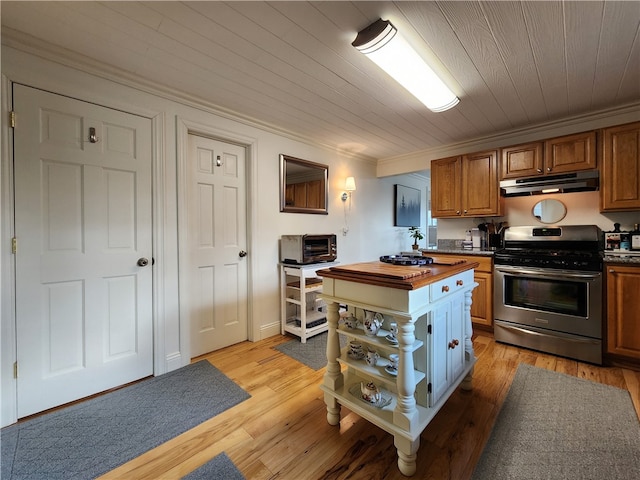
(548, 290)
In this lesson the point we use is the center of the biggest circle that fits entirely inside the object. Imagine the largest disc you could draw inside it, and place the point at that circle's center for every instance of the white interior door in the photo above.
(217, 275)
(83, 225)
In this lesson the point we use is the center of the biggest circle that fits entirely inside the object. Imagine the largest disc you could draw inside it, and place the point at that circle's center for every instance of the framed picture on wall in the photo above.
(407, 206)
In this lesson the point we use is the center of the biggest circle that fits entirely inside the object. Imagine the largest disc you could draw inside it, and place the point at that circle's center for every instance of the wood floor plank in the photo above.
(281, 432)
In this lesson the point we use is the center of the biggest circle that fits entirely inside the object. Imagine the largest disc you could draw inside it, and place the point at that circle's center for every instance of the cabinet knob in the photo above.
(457, 212)
(612, 270)
(465, 211)
(539, 170)
(549, 169)
(445, 288)
(459, 283)
(453, 343)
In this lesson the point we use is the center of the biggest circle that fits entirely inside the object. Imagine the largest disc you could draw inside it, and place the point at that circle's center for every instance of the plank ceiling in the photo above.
(291, 66)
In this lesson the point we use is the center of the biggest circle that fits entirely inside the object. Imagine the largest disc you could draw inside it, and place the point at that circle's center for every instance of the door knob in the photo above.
(143, 262)
(242, 254)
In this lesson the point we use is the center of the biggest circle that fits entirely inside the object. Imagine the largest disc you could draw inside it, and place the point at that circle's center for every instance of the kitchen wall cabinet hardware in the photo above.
(303, 313)
(620, 168)
(466, 186)
(623, 316)
(429, 319)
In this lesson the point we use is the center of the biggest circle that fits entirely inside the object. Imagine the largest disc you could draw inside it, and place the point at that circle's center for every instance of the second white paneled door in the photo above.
(217, 271)
(84, 321)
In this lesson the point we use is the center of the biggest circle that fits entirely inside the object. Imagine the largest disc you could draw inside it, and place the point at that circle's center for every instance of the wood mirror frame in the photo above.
(304, 186)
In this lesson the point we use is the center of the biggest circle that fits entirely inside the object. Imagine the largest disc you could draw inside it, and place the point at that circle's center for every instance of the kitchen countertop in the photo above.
(622, 258)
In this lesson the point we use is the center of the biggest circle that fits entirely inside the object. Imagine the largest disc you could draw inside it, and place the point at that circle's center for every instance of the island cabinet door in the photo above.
(446, 346)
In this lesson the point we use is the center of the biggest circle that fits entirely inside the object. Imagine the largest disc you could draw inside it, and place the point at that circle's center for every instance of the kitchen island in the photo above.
(430, 304)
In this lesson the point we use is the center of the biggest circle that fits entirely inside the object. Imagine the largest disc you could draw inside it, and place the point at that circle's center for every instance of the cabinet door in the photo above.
(447, 346)
(482, 299)
(455, 342)
(446, 180)
(522, 161)
(570, 153)
(620, 172)
(480, 194)
(623, 316)
(439, 373)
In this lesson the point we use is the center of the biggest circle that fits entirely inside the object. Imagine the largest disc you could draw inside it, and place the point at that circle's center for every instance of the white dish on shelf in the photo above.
(385, 397)
(392, 339)
(391, 371)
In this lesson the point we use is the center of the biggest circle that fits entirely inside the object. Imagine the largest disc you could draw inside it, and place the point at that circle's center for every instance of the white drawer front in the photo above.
(451, 285)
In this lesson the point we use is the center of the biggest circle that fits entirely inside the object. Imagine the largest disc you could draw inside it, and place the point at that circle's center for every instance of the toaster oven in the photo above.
(304, 249)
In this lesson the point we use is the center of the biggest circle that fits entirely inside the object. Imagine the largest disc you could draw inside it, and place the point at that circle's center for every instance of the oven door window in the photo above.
(556, 296)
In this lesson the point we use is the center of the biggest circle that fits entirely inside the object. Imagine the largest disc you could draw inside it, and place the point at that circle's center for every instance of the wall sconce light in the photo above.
(350, 187)
(383, 44)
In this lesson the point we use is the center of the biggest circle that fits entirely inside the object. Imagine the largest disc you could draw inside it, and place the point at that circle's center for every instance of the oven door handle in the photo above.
(540, 273)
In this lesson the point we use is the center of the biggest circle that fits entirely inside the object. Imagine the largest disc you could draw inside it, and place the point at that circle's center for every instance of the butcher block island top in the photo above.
(405, 277)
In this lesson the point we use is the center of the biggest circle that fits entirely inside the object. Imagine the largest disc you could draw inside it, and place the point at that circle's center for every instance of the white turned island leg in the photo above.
(333, 378)
(407, 454)
(405, 412)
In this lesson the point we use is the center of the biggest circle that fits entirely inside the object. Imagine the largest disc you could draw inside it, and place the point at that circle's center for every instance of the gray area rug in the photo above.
(219, 468)
(93, 437)
(313, 353)
(556, 426)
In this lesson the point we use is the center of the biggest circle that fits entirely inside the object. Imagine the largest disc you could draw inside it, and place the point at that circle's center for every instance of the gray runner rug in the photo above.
(556, 426)
(93, 437)
(313, 353)
(219, 468)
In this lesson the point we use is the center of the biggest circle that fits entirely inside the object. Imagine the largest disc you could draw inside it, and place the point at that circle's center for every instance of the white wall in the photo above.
(370, 219)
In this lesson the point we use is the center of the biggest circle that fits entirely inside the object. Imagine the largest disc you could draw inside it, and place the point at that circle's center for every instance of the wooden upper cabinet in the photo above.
(620, 168)
(480, 189)
(557, 155)
(465, 186)
(446, 182)
(522, 161)
(570, 153)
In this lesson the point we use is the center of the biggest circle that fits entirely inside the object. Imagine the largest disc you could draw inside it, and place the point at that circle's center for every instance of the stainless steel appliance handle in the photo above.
(542, 273)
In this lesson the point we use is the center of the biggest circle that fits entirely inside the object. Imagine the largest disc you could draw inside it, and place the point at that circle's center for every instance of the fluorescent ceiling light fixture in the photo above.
(384, 45)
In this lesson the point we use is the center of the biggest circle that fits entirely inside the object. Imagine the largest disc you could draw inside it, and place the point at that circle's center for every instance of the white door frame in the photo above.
(184, 128)
(8, 353)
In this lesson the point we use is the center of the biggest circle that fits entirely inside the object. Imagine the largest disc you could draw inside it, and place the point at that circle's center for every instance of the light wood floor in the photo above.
(281, 431)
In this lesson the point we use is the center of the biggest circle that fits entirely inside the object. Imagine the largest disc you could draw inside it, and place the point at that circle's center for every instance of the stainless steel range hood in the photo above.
(562, 183)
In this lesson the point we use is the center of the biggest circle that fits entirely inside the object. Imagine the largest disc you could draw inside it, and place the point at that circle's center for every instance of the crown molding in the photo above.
(420, 160)
(38, 48)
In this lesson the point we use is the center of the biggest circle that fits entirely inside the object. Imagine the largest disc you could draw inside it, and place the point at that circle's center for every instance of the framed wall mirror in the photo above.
(549, 210)
(304, 186)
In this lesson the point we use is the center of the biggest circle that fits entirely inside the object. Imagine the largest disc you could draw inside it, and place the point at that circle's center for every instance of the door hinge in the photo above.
(14, 245)
(15, 369)
(429, 331)
(12, 119)
(429, 388)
